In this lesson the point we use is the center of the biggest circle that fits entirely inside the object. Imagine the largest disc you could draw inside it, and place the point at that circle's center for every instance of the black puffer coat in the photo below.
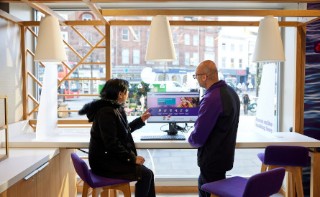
(112, 152)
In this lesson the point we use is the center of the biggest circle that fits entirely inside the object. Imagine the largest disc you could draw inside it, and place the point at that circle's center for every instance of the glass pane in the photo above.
(230, 47)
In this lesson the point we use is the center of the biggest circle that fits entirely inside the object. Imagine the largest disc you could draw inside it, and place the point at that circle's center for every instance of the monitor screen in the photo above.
(175, 107)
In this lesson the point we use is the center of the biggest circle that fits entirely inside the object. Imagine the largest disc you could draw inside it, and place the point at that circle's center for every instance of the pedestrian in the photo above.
(215, 129)
(246, 102)
(112, 151)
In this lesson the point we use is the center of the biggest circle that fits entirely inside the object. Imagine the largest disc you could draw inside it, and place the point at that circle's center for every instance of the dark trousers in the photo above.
(207, 177)
(245, 108)
(145, 186)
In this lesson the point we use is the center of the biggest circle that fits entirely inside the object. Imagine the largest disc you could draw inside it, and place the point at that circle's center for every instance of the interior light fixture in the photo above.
(269, 47)
(160, 45)
(49, 43)
(50, 51)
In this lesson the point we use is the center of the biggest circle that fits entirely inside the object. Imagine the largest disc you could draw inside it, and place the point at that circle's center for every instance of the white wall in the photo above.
(10, 62)
(288, 76)
(10, 69)
(287, 95)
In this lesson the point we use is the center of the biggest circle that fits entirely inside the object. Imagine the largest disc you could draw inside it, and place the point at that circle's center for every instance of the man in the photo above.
(246, 101)
(215, 130)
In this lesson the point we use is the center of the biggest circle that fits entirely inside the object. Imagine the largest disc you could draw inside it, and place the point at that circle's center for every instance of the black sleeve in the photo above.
(136, 124)
(108, 126)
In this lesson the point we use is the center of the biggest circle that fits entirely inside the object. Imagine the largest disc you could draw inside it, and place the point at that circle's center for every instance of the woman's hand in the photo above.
(139, 160)
(145, 115)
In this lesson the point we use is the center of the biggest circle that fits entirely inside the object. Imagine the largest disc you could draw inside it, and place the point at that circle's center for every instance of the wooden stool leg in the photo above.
(290, 185)
(105, 193)
(297, 176)
(112, 190)
(113, 193)
(264, 168)
(96, 192)
(85, 190)
(126, 190)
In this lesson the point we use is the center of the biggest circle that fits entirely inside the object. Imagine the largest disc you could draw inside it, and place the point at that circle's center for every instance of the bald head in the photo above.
(207, 73)
(210, 68)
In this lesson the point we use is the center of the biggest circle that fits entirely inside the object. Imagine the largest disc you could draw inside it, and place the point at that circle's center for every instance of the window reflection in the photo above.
(230, 47)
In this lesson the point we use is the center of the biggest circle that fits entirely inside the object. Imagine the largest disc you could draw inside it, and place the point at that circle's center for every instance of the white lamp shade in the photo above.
(49, 44)
(269, 47)
(160, 46)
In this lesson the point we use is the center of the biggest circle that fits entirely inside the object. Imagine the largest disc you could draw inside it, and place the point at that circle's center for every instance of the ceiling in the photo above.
(177, 5)
(167, 4)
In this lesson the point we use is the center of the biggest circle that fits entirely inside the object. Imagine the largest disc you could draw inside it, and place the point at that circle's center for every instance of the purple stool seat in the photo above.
(94, 181)
(285, 156)
(262, 185)
(292, 158)
(99, 181)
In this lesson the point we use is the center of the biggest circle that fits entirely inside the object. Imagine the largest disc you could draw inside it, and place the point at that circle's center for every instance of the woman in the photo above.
(112, 152)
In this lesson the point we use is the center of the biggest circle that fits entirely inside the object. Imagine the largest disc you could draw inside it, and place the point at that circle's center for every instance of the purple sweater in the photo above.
(216, 127)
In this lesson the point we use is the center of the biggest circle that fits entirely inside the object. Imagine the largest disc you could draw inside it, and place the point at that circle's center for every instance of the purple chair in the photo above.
(263, 184)
(98, 183)
(292, 158)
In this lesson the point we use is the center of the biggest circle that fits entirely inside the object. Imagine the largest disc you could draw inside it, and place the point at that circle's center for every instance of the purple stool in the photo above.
(292, 158)
(263, 184)
(97, 183)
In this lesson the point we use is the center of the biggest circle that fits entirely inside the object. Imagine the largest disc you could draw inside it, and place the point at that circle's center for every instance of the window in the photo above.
(187, 39)
(127, 63)
(195, 40)
(87, 17)
(125, 56)
(175, 37)
(223, 46)
(208, 56)
(232, 47)
(240, 63)
(240, 47)
(223, 62)
(187, 58)
(176, 61)
(136, 35)
(195, 59)
(125, 34)
(232, 62)
(209, 41)
(64, 36)
(136, 56)
(112, 56)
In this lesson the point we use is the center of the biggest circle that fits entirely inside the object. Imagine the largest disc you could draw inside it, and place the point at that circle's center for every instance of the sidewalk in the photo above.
(179, 163)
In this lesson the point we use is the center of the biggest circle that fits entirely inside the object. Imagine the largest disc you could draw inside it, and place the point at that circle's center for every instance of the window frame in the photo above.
(180, 23)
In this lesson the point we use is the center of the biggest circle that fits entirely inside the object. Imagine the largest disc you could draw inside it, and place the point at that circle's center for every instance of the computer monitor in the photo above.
(173, 108)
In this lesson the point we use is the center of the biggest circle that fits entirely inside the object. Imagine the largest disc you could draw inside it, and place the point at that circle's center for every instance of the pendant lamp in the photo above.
(49, 44)
(160, 45)
(269, 47)
(49, 51)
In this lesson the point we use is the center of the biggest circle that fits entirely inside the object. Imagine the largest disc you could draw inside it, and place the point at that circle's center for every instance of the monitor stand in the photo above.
(172, 128)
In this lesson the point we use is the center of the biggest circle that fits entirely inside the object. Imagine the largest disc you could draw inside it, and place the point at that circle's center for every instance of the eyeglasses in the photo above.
(196, 75)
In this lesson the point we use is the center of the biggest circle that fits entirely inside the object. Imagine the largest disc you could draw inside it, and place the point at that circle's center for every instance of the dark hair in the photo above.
(111, 89)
